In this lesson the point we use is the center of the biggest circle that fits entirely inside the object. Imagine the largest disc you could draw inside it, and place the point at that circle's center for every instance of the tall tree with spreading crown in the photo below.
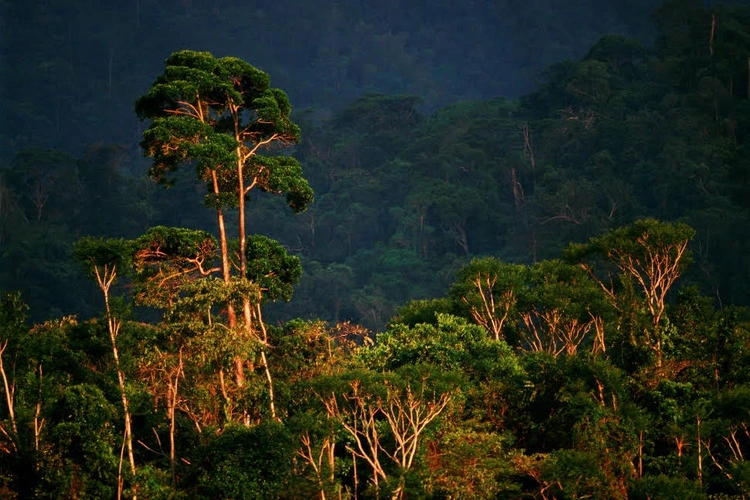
(222, 115)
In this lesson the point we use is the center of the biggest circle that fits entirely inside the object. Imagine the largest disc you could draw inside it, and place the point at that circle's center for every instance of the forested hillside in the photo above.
(77, 67)
(422, 280)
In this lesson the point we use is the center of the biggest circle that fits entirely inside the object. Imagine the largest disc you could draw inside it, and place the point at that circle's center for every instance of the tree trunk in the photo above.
(239, 369)
(38, 423)
(9, 391)
(266, 367)
(171, 410)
(105, 280)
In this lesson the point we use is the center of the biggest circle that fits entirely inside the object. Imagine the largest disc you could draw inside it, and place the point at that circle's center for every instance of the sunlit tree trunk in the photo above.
(264, 359)
(105, 277)
(9, 399)
(407, 413)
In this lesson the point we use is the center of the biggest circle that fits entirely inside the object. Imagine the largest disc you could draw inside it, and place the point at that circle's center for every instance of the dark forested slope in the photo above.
(623, 133)
(71, 70)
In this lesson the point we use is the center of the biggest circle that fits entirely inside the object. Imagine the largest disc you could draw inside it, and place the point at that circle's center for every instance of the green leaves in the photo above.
(560, 307)
(487, 289)
(213, 91)
(235, 464)
(95, 253)
(166, 258)
(272, 268)
(641, 238)
(13, 313)
(80, 452)
(273, 108)
(281, 174)
(201, 297)
(189, 77)
(650, 253)
(220, 113)
(175, 140)
(452, 344)
(161, 243)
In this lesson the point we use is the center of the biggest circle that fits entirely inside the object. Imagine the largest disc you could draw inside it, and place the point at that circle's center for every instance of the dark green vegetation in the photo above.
(559, 282)
(78, 66)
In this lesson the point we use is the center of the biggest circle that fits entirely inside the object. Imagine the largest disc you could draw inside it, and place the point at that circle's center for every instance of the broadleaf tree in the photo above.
(105, 261)
(222, 115)
(488, 289)
(651, 254)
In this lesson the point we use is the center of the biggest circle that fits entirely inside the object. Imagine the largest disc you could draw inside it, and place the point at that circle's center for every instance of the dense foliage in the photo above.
(78, 67)
(542, 297)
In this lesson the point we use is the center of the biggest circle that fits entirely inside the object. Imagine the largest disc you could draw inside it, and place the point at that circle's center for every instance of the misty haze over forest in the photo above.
(80, 65)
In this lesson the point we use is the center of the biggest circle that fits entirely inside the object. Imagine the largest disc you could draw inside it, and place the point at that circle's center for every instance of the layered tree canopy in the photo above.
(541, 297)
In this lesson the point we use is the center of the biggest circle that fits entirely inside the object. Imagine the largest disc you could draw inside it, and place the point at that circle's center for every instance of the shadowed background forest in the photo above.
(432, 132)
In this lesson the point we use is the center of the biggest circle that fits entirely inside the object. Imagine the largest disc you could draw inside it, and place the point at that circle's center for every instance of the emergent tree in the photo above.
(648, 253)
(222, 115)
